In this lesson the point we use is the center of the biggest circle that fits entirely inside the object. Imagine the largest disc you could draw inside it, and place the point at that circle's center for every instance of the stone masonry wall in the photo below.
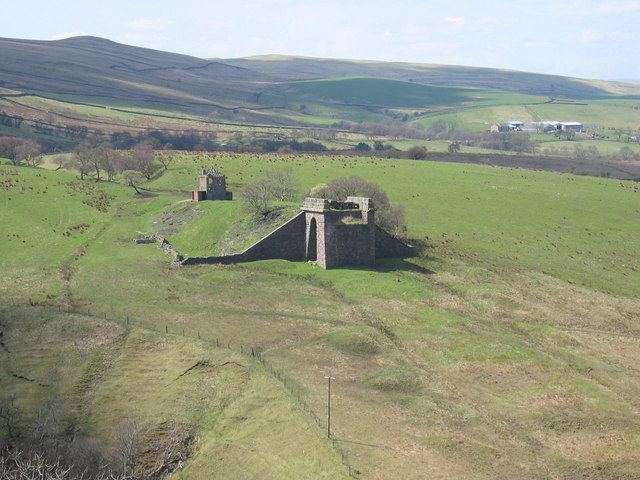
(389, 246)
(339, 243)
(350, 245)
(286, 242)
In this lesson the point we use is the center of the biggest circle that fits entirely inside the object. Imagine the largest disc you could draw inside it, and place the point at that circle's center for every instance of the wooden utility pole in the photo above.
(329, 378)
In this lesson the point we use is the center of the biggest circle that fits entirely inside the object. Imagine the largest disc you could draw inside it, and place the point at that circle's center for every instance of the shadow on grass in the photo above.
(144, 193)
(401, 265)
(404, 264)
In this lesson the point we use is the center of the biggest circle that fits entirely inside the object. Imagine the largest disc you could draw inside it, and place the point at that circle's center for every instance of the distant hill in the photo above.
(271, 90)
(95, 67)
(306, 68)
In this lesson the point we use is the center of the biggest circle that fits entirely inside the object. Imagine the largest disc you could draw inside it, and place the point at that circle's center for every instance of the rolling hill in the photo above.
(102, 87)
(507, 348)
(96, 66)
(306, 68)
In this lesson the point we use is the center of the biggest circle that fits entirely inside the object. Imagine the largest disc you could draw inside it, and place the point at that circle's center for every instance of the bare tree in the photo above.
(19, 150)
(128, 447)
(29, 152)
(62, 160)
(579, 152)
(101, 159)
(281, 184)
(19, 465)
(165, 159)
(255, 198)
(133, 179)
(10, 418)
(625, 153)
(86, 157)
(142, 157)
(8, 148)
(172, 451)
(46, 422)
(112, 163)
(80, 163)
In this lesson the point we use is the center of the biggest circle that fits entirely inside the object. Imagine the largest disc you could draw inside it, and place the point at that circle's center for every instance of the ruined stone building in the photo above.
(212, 185)
(340, 233)
(329, 232)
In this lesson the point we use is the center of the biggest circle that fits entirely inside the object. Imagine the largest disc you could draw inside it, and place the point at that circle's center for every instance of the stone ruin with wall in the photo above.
(212, 185)
(328, 232)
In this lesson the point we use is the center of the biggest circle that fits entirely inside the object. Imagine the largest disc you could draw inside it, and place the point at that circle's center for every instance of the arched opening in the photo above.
(312, 241)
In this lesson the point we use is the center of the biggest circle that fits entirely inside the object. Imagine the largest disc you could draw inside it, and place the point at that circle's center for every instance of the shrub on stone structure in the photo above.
(389, 217)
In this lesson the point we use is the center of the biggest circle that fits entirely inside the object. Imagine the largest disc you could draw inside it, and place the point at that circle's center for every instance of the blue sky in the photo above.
(585, 38)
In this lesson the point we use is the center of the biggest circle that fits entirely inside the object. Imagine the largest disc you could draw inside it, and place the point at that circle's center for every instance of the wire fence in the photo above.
(251, 351)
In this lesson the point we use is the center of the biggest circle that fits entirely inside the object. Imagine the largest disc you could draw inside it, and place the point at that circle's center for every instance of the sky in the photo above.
(585, 38)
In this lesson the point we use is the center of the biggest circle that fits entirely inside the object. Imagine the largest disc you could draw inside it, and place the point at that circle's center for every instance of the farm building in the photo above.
(515, 125)
(546, 126)
(510, 126)
(212, 185)
(571, 127)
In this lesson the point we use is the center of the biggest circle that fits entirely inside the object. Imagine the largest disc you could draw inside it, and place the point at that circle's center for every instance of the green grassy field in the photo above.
(382, 92)
(508, 348)
(488, 203)
(594, 114)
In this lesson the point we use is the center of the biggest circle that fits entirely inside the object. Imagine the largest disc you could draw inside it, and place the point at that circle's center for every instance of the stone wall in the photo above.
(220, 260)
(349, 244)
(389, 246)
(341, 240)
(286, 242)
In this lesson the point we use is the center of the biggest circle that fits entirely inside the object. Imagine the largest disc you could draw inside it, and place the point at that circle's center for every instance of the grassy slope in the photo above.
(381, 92)
(595, 114)
(468, 362)
(232, 409)
(304, 68)
(489, 205)
(202, 235)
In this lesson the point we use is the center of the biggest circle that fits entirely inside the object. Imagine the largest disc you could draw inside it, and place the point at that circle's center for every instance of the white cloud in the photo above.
(622, 36)
(617, 8)
(458, 21)
(593, 8)
(149, 24)
(591, 36)
(588, 36)
(63, 35)
(491, 24)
